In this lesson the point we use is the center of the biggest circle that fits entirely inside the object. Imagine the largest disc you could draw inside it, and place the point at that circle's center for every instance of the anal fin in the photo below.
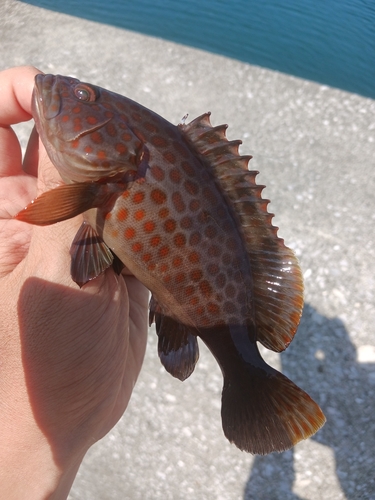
(177, 345)
(90, 256)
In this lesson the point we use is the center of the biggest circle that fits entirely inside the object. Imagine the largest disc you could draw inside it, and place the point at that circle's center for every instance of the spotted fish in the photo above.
(179, 208)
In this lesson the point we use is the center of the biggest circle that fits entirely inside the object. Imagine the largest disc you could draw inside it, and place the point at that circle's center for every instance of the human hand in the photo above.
(69, 357)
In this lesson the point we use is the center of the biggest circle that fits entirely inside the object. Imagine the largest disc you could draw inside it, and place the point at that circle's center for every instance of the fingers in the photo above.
(16, 86)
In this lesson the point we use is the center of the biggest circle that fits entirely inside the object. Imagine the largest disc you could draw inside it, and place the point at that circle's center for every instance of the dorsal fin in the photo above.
(277, 278)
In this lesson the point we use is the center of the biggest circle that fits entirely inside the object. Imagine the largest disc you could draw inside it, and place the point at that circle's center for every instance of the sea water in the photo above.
(329, 41)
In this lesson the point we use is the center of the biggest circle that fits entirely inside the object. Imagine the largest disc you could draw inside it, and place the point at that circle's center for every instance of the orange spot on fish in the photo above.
(138, 197)
(129, 233)
(195, 238)
(137, 117)
(146, 257)
(150, 127)
(186, 223)
(191, 187)
(155, 241)
(163, 251)
(196, 275)
(188, 168)
(194, 205)
(193, 301)
(126, 137)
(199, 310)
(121, 148)
(96, 137)
(77, 124)
(189, 290)
(180, 278)
(213, 251)
(126, 194)
(137, 246)
(159, 141)
(149, 226)
(163, 268)
(213, 269)
(194, 257)
(65, 118)
(74, 144)
(139, 215)
(170, 225)
(179, 240)
(163, 212)
(158, 196)
(111, 130)
(88, 149)
(177, 261)
(122, 214)
(102, 155)
(157, 173)
(76, 109)
(92, 120)
(205, 288)
(108, 215)
(213, 308)
(170, 157)
(175, 175)
(178, 202)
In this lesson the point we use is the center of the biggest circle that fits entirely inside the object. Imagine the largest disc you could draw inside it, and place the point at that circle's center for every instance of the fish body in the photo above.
(179, 208)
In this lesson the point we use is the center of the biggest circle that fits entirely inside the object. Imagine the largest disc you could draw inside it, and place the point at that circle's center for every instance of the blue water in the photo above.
(329, 41)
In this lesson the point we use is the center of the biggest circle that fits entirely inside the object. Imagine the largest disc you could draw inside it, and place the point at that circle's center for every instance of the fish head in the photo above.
(86, 135)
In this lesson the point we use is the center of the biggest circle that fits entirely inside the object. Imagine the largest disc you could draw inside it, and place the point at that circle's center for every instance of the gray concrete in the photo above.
(314, 147)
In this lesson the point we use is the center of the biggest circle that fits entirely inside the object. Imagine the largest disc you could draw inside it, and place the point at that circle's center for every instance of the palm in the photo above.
(81, 350)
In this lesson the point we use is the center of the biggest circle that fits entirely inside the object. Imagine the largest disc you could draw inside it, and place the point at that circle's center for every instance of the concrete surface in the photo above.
(314, 147)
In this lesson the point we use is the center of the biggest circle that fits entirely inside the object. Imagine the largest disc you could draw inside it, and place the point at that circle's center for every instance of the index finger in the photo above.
(16, 87)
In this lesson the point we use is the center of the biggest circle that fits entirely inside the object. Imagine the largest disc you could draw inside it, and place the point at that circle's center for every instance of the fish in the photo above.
(179, 207)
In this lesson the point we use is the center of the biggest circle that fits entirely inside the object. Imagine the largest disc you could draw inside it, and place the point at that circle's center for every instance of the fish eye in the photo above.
(85, 93)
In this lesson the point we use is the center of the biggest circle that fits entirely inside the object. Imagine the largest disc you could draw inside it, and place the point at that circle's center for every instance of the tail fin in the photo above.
(262, 410)
(263, 413)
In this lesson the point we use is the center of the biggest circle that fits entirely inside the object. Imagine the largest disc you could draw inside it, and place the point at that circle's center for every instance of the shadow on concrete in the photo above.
(323, 361)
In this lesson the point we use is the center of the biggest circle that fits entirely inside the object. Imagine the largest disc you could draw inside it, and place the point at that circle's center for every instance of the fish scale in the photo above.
(202, 264)
(179, 207)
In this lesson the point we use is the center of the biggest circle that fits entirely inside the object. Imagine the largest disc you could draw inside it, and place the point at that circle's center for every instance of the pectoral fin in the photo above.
(90, 256)
(61, 203)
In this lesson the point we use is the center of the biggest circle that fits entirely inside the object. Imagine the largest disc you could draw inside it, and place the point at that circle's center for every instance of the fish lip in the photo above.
(46, 102)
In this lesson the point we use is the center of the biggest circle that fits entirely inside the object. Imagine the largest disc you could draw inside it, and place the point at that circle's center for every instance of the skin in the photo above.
(69, 357)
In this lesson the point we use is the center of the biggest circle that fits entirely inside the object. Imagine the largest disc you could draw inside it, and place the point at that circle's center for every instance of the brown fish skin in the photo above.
(179, 208)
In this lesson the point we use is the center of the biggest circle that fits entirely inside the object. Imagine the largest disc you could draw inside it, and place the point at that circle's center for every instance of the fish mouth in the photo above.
(46, 102)
(47, 99)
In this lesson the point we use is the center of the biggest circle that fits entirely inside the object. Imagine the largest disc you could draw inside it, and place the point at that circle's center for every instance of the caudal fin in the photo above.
(264, 412)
